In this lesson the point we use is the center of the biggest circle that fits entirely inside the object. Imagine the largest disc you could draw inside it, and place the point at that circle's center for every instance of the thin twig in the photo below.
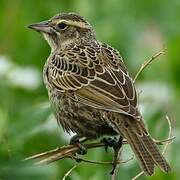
(94, 162)
(91, 161)
(130, 159)
(115, 163)
(100, 162)
(68, 173)
(138, 175)
(169, 135)
(116, 157)
(161, 142)
(148, 62)
(113, 177)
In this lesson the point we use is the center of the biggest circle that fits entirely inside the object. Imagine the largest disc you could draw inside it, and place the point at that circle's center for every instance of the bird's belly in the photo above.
(81, 119)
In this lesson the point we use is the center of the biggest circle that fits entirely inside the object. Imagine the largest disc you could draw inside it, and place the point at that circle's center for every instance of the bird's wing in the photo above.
(98, 77)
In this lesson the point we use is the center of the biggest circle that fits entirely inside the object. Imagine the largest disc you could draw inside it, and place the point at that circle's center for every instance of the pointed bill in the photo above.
(41, 27)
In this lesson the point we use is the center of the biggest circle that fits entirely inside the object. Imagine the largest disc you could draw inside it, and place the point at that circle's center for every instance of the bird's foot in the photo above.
(75, 141)
(109, 142)
(116, 144)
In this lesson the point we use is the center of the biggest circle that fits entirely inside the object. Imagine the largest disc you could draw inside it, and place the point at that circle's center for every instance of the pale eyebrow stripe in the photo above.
(74, 23)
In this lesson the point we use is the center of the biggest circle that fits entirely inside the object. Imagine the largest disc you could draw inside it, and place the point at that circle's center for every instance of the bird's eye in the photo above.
(62, 26)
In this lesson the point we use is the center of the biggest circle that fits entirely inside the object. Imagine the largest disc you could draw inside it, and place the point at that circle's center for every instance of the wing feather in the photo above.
(98, 76)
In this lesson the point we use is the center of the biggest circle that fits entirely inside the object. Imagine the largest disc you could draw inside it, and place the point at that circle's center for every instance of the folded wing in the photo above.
(97, 75)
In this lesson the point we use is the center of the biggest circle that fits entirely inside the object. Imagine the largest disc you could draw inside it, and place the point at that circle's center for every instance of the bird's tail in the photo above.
(146, 151)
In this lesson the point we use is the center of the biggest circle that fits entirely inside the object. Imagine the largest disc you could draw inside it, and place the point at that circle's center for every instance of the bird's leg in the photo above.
(116, 144)
(117, 152)
(76, 140)
(109, 142)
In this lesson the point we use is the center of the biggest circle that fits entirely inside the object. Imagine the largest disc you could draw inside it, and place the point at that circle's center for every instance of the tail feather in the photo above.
(141, 152)
(155, 153)
(143, 146)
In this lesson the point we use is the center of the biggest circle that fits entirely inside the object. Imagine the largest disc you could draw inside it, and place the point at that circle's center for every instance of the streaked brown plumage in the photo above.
(91, 90)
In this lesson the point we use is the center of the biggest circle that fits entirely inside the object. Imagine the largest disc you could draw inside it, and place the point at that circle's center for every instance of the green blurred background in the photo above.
(138, 29)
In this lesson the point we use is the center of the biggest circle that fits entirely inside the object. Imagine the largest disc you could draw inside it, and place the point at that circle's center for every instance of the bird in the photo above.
(91, 90)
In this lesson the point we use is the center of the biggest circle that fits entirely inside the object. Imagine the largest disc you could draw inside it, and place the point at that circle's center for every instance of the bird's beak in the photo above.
(41, 27)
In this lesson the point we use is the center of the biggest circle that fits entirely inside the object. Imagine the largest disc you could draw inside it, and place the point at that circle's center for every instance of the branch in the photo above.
(148, 62)
(69, 151)
(62, 152)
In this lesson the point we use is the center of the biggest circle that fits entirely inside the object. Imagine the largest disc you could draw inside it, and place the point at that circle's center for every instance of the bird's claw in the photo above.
(82, 149)
(75, 141)
(109, 142)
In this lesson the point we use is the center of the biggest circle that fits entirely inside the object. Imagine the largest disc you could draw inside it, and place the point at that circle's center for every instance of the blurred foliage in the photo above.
(138, 29)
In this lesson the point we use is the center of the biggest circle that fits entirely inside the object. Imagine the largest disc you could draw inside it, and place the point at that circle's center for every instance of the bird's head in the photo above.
(64, 29)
